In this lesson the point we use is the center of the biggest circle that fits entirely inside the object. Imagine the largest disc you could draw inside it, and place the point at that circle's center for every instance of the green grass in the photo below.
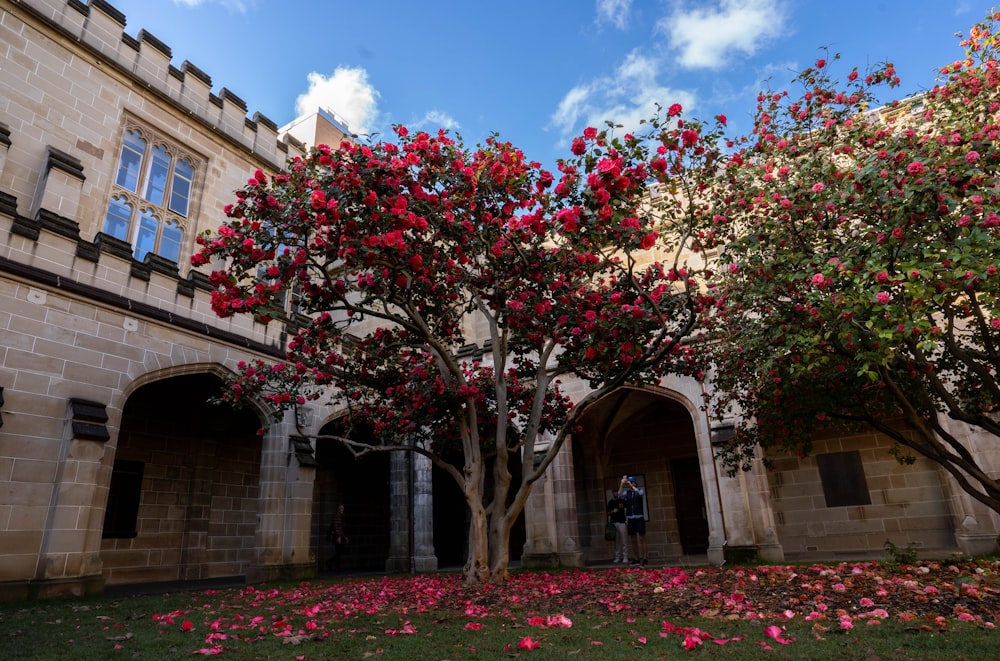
(153, 627)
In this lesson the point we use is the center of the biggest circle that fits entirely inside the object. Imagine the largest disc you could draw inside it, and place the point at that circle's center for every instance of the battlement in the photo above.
(99, 27)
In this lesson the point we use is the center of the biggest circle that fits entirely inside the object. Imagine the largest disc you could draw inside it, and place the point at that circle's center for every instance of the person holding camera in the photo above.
(635, 518)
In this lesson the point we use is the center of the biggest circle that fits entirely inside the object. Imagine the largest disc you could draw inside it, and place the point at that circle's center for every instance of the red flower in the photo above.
(317, 200)
(674, 110)
(578, 147)
(590, 133)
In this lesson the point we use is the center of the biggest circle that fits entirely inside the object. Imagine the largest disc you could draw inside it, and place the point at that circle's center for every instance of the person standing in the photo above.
(336, 535)
(635, 518)
(616, 515)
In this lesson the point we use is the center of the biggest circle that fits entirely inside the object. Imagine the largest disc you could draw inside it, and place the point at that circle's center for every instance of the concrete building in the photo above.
(115, 469)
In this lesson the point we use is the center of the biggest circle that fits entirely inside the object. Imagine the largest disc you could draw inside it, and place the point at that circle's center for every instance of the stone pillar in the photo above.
(399, 513)
(713, 503)
(769, 548)
(746, 510)
(285, 510)
(977, 527)
(69, 561)
(550, 516)
(424, 558)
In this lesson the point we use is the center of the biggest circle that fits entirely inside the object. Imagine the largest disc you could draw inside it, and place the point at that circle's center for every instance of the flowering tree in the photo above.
(862, 249)
(404, 254)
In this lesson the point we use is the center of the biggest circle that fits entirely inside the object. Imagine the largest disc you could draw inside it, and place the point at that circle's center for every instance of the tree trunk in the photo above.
(477, 565)
(499, 548)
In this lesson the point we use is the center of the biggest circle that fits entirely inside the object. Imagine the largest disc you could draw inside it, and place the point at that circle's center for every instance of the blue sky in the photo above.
(537, 71)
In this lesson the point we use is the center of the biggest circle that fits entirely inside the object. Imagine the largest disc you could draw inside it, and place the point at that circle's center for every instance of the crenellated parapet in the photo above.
(100, 28)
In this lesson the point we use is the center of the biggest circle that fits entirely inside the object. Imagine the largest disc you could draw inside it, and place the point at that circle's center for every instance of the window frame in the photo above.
(842, 475)
(121, 514)
(166, 172)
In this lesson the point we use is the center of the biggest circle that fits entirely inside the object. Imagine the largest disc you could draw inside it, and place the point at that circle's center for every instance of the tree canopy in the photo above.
(445, 290)
(859, 248)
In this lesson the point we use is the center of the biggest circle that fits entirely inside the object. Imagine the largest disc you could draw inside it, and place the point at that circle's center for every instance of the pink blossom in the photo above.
(818, 187)
(819, 280)
(590, 133)
(775, 633)
(972, 157)
(883, 298)
(916, 167)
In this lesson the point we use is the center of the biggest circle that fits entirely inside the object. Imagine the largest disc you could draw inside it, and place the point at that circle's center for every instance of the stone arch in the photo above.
(184, 489)
(660, 434)
(262, 409)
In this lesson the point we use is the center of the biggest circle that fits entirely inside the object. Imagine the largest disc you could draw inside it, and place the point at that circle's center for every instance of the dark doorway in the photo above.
(451, 520)
(361, 484)
(689, 496)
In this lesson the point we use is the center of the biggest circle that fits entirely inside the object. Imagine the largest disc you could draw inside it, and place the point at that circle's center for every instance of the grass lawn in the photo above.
(843, 611)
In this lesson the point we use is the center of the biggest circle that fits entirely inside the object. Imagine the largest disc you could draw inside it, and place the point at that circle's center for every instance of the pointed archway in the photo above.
(184, 488)
(650, 435)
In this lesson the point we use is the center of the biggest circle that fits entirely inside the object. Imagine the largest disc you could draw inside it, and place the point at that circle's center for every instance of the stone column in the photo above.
(285, 510)
(69, 562)
(399, 513)
(746, 510)
(550, 516)
(769, 548)
(977, 528)
(424, 558)
(713, 502)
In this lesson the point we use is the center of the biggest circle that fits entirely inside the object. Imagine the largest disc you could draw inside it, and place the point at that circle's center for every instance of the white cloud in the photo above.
(707, 38)
(615, 12)
(347, 93)
(434, 120)
(626, 97)
(234, 6)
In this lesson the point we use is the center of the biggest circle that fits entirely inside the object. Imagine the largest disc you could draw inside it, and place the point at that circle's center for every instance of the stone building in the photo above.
(116, 469)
